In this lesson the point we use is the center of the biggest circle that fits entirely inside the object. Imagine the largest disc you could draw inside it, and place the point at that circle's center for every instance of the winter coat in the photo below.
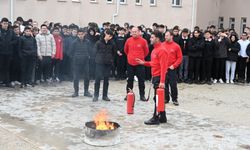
(104, 52)
(221, 48)
(7, 41)
(120, 42)
(28, 46)
(248, 50)
(196, 46)
(184, 46)
(209, 49)
(59, 47)
(233, 54)
(80, 50)
(46, 45)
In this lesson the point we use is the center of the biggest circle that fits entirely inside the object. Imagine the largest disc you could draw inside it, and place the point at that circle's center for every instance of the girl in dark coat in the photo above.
(232, 57)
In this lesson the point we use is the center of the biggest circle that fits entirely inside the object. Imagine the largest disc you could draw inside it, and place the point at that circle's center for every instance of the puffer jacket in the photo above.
(46, 45)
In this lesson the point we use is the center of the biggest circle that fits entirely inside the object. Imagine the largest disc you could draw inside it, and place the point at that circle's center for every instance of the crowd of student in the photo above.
(32, 54)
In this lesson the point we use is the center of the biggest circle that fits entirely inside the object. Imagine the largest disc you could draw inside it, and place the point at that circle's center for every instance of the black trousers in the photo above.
(194, 68)
(15, 68)
(46, 67)
(5, 61)
(171, 81)
(27, 66)
(248, 72)
(155, 82)
(121, 62)
(219, 68)
(66, 69)
(57, 68)
(92, 68)
(241, 68)
(78, 70)
(102, 72)
(139, 71)
(207, 64)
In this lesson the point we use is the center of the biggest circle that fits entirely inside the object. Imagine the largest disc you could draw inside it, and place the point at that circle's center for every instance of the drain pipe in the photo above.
(117, 11)
(193, 14)
(12, 10)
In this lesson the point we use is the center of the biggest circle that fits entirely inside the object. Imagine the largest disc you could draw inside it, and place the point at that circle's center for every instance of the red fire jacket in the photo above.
(136, 48)
(159, 62)
(174, 53)
(59, 47)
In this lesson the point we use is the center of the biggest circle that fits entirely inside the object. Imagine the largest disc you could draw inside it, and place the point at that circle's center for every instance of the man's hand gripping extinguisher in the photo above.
(130, 102)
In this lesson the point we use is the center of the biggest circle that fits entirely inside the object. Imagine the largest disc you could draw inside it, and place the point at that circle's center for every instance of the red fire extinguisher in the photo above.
(130, 102)
(160, 99)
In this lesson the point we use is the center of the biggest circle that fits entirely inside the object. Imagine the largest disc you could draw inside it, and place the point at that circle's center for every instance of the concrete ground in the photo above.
(46, 117)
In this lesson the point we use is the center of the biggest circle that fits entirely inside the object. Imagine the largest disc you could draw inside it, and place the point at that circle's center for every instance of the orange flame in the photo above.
(101, 121)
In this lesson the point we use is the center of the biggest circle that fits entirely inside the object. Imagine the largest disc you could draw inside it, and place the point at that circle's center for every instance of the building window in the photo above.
(231, 23)
(138, 2)
(123, 1)
(176, 3)
(221, 22)
(243, 24)
(109, 1)
(77, 1)
(152, 2)
(93, 1)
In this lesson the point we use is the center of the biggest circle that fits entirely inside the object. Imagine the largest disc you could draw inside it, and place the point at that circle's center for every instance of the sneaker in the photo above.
(232, 81)
(75, 95)
(209, 82)
(176, 103)
(142, 98)
(125, 99)
(95, 99)
(105, 98)
(57, 79)
(153, 121)
(215, 81)
(221, 81)
(88, 94)
(135, 78)
(227, 81)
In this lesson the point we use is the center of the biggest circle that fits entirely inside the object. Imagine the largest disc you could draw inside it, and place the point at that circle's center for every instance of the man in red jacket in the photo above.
(159, 68)
(174, 60)
(136, 47)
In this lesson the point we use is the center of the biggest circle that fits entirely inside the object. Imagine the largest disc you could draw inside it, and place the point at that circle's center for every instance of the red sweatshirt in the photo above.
(174, 53)
(136, 48)
(59, 47)
(159, 62)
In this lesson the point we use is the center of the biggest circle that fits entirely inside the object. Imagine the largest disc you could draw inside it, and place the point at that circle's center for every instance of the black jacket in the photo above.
(248, 50)
(28, 46)
(233, 54)
(209, 49)
(104, 52)
(92, 39)
(184, 46)
(176, 38)
(7, 41)
(80, 50)
(221, 48)
(120, 42)
(196, 46)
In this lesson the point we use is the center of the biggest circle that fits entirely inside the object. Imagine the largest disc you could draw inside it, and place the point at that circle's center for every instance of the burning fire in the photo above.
(101, 121)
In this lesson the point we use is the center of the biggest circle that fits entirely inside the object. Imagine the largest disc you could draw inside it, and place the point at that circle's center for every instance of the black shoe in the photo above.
(95, 99)
(75, 95)
(209, 82)
(203, 82)
(22, 86)
(162, 117)
(87, 94)
(142, 98)
(105, 98)
(166, 102)
(176, 103)
(153, 121)
(125, 99)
